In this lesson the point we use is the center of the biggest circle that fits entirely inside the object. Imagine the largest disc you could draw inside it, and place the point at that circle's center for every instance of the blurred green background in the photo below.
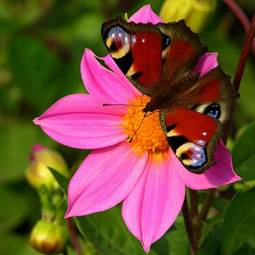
(41, 45)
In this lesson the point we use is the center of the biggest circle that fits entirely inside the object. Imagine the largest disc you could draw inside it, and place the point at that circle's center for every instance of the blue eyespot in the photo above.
(165, 41)
(118, 36)
(213, 110)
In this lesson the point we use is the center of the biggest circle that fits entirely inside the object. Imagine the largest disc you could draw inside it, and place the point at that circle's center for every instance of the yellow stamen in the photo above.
(146, 133)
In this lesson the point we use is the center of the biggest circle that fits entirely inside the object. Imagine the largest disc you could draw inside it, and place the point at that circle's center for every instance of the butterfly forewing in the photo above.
(136, 48)
(182, 53)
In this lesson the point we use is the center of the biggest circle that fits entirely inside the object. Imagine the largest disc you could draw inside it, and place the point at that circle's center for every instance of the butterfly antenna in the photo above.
(136, 131)
(122, 105)
(144, 116)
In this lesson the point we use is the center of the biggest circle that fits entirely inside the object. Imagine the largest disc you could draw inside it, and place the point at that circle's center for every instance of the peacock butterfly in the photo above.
(160, 61)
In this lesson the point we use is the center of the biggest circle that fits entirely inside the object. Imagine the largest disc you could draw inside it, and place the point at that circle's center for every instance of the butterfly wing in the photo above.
(159, 60)
(136, 49)
(148, 53)
(183, 53)
(192, 133)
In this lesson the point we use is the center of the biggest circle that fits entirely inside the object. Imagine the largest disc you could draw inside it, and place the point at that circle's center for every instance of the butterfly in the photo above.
(160, 60)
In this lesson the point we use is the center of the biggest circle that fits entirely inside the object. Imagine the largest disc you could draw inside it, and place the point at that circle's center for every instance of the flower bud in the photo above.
(47, 237)
(194, 12)
(38, 172)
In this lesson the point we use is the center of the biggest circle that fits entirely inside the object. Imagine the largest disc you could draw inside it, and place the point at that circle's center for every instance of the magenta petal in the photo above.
(102, 83)
(81, 121)
(145, 15)
(154, 203)
(104, 179)
(221, 173)
(206, 63)
(132, 91)
(113, 66)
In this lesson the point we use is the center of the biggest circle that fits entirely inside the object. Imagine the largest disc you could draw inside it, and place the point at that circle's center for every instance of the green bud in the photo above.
(48, 238)
(38, 172)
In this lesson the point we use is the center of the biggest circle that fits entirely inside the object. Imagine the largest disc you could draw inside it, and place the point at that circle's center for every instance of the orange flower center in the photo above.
(144, 134)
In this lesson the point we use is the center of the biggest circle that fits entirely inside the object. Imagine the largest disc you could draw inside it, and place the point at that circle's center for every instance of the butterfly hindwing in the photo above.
(192, 133)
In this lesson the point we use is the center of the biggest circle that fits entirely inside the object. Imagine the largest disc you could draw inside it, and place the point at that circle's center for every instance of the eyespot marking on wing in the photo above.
(192, 155)
(211, 109)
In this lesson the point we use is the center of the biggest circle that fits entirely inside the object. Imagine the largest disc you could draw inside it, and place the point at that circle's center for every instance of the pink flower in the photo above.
(145, 175)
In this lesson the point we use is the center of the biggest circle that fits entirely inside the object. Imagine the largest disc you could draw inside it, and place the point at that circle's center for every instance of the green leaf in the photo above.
(35, 70)
(212, 244)
(174, 242)
(209, 227)
(13, 210)
(246, 249)
(61, 179)
(17, 139)
(239, 223)
(108, 233)
(244, 153)
(16, 245)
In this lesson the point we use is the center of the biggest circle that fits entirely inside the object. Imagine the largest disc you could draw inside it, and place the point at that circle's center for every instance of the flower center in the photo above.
(145, 134)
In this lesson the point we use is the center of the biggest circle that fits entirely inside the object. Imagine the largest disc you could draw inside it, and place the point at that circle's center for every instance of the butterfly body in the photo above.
(165, 99)
(160, 61)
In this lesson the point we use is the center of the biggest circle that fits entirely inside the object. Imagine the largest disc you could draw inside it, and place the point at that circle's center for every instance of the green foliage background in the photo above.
(41, 44)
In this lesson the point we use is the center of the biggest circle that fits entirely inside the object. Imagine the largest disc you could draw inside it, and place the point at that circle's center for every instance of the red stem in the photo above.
(244, 54)
(241, 16)
(189, 228)
(73, 236)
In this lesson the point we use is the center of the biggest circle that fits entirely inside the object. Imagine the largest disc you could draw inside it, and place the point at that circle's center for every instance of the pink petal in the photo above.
(206, 63)
(145, 15)
(81, 121)
(153, 205)
(113, 66)
(221, 173)
(104, 179)
(102, 83)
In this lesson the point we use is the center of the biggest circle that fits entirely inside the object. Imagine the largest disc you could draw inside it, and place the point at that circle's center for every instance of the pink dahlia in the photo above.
(145, 174)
